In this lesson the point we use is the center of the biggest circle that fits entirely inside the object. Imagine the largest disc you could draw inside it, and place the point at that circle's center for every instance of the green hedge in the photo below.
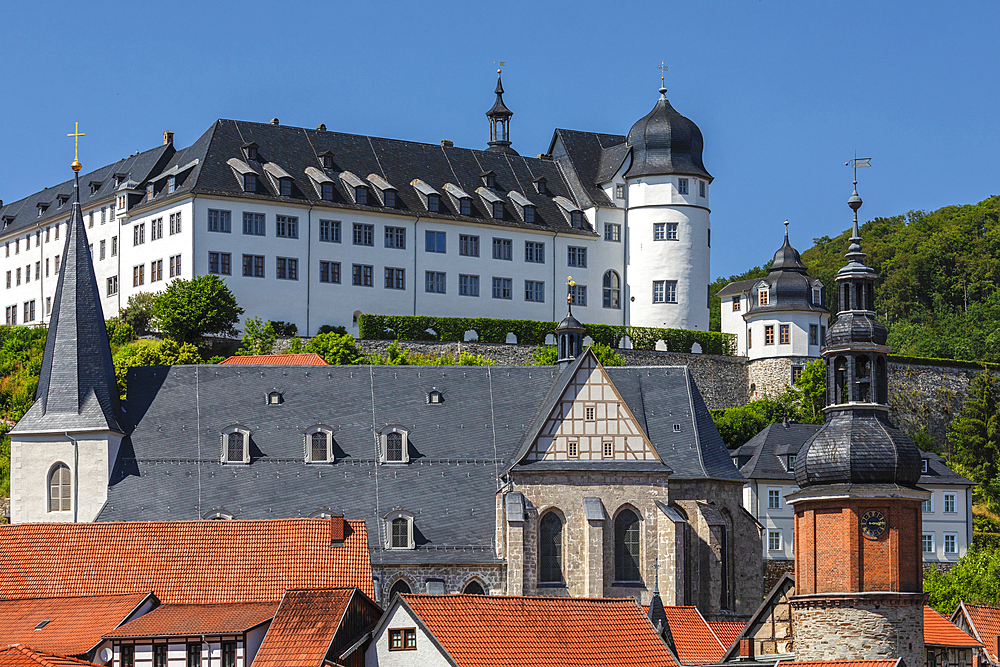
(532, 332)
(931, 361)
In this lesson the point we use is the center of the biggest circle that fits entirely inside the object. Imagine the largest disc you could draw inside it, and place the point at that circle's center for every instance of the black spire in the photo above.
(787, 258)
(77, 390)
(499, 116)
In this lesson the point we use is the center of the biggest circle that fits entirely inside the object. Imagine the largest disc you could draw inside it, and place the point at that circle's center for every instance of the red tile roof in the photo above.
(303, 628)
(939, 631)
(986, 620)
(694, 640)
(183, 562)
(75, 625)
(180, 620)
(727, 631)
(23, 656)
(843, 663)
(307, 359)
(484, 631)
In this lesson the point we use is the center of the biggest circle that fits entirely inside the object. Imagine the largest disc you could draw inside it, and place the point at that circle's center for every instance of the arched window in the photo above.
(236, 445)
(399, 529)
(400, 587)
(550, 549)
(319, 444)
(612, 290)
(863, 378)
(840, 379)
(474, 588)
(59, 489)
(394, 444)
(627, 546)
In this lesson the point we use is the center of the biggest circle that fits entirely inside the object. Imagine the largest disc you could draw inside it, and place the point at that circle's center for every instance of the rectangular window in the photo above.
(57, 231)
(573, 449)
(682, 186)
(612, 232)
(589, 413)
(175, 223)
(229, 654)
(659, 231)
(951, 543)
(434, 281)
(923, 466)
(579, 295)
(194, 655)
(736, 304)
(402, 639)
(103, 248)
(253, 266)
(927, 543)
(769, 334)
(928, 505)
(220, 221)
(534, 290)
(822, 333)
(326, 191)
(814, 334)
(468, 245)
(127, 655)
(701, 188)
(286, 227)
(608, 450)
(395, 278)
(434, 241)
(29, 311)
(468, 285)
(213, 262)
(114, 246)
(253, 224)
(950, 504)
(534, 252)
(175, 266)
(362, 275)
(139, 234)
(791, 462)
(156, 270)
(112, 289)
(784, 334)
(104, 215)
(498, 210)
(286, 268)
(502, 249)
(329, 231)
(503, 288)
(38, 265)
(159, 655)
(529, 213)
(364, 234)
(774, 499)
(57, 264)
(664, 291)
(671, 231)
(249, 183)
(156, 229)
(433, 203)
(619, 191)
(329, 272)
(762, 297)
(395, 237)
(796, 374)
(576, 257)
(390, 198)
(774, 540)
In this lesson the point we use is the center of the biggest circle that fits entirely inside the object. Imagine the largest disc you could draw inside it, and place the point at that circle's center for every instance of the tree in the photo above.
(151, 353)
(812, 388)
(138, 312)
(738, 425)
(190, 309)
(975, 436)
(337, 349)
(975, 578)
(258, 337)
(548, 355)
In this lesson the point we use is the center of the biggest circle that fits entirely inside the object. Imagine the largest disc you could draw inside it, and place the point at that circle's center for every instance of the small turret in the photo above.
(499, 116)
(569, 333)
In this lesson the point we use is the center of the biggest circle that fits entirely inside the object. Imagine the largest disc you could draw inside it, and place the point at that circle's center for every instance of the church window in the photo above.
(784, 334)
(235, 445)
(774, 499)
(736, 304)
(159, 655)
(951, 543)
(949, 503)
(229, 654)
(194, 655)
(682, 186)
(474, 588)
(763, 297)
(927, 543)
(608, 450)
(627, 546)
(59, 488)
(127, 656)
(400, 530)
(774, 540)
(612, 232)
(769, 334)
(319, 445)
(400, 587)
(550, 549)
(612, 290)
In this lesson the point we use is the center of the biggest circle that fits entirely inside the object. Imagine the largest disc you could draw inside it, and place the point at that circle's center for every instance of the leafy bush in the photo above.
(738, 425)
(151, 353)
(138, 312)
(975, 578)
(548, 355)
(190, 309)
(329, 328)
(284, 329)
(400, 356)
(120, 332)
(258, 337)
(337, 349)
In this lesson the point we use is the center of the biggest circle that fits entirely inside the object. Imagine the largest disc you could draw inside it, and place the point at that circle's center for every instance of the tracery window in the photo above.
(550, 549)
(627, 546)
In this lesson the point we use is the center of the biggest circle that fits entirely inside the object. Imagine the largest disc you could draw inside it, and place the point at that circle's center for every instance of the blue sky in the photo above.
(784, 92)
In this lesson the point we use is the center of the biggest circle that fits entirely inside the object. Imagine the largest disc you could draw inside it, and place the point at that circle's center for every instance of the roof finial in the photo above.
(570, 284)
(854, 251)
(76, 166)
(786, 231)
(663, 79)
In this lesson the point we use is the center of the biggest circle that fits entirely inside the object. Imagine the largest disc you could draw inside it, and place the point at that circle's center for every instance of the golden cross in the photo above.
(663, 68)
(76, 147)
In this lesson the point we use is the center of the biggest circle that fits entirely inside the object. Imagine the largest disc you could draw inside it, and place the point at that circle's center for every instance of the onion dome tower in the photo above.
(499, 116)
(669, 234)
(857, 514)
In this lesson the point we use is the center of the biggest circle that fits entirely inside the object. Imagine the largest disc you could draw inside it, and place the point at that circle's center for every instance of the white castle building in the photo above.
(315, 227)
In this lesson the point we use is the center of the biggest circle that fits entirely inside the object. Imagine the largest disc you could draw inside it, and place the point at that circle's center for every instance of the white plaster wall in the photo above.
(131, 255)
(425, 655)
(255, 638)
(939, 522)
(782, 518)
(799, 343)
(686, 260)
(733, 322)
(32, 459)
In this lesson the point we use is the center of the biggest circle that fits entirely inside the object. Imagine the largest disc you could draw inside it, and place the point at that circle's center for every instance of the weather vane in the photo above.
(570, 283)
(499, 63)
(76, 148)
(858, 162)
(663, 71)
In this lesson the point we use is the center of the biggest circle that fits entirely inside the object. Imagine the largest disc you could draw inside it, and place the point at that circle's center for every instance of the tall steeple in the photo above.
(499, 116)
(77, 390)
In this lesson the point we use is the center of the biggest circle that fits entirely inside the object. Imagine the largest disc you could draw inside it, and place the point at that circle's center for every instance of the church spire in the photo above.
(499, 116)
(77, 390)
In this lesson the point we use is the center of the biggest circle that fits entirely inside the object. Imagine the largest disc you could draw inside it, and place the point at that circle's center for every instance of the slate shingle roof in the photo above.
(182, 562)
(20, 655)
(581, 160)
(75, 624)
(307, 359)
(694, 640)
(483, 631)
(185, 620)
(939, 631)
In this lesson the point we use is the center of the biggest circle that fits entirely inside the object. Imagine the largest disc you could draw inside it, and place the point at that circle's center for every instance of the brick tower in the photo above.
(858, 574)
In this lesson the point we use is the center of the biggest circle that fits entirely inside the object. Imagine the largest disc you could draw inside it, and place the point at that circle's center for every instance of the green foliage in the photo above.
(216, 359)
(190, 309)
(338, 349)
(284, 329)
(120, 332)
(738, 425)
(138, 312)
(812, 390)
(547, 355)
(151, 353)
(258, 337)
(715, 308)
(974, 436)
(21, 351)
(401, 356)
(329, 328)
(531, 332)
(975, 579)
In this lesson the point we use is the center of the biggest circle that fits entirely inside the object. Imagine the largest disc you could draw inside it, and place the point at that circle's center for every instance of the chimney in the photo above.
(168, 138)
(321, 127)
(447, 143)
(336, 530)
(274, 121)
(746, 648)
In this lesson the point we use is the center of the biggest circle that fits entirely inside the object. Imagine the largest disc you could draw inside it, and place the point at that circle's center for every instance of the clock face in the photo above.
(873, 524)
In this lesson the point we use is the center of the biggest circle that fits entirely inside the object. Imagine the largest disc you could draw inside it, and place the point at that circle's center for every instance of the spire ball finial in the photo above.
(76, 166)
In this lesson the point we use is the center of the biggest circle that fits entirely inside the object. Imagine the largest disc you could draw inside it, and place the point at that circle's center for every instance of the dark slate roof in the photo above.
(581, 156)
(665, 142)
(764, 449)
(856, 327)
(938, 472)
(787, 258)
(738, 287)
(457, 448)
(399, 163)
(138, 168)
(77, 390)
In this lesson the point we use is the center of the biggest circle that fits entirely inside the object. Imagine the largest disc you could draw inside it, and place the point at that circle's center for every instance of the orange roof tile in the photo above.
(484, 630)
(987, 623)
(939, 631)
(694, 640)
(18, 655)
(181, 620)
(303, 628)
(727, 631)
(307, 359)
(75, 625)
(843, 663)
(183, 562)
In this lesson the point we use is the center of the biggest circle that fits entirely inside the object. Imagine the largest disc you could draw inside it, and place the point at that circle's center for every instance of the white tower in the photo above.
(667, 222)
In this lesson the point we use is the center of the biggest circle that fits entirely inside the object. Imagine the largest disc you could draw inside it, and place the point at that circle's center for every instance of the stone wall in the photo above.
(454, 577)
(927, 398)
(771, 376)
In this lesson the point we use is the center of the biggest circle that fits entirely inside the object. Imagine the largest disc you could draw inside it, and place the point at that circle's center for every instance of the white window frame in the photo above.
(307, 443)
(769, 490)
(399, 514)
(954, 503)
(924, 465)
(764, 296)
(236, 428)
(771, 532)
(923, 545)
(383, 438)
(927, 506)
(954, 544)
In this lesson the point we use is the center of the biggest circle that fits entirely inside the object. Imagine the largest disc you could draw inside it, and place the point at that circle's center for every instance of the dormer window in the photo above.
(119, 179)
(250, 151)
(791, 462)
(529, 213)
(326, 190)
(285, 187)
(576, 218)
(923, 466)
(433, 203)
(434, 397)
(94, 186)
(390, 199)
(490, 179)
(327, 161)
(150, 191)
(540, 185)
(275, 398)
(465, 206)
(394, 445)
(171, 184)
(41, 209)
(399, 530)
(250, 182)
(817, 296)
(763, 296)
(61, 200)
(319, 444)
(619, 191)
(361, 194)
(498, 210)
(236, 445)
